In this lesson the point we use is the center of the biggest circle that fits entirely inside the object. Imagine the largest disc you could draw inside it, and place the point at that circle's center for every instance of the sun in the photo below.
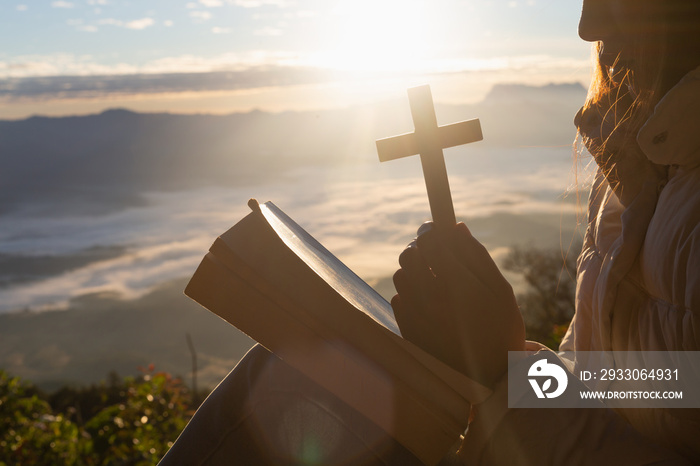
(379, 36)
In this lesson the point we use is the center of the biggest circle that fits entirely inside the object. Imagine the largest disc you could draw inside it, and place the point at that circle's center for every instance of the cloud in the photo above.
(306, 14)
(219, 30)
(34, 75)
(62, 4)
(111, 22)
(66, 87)
(364, 216)
(269, 31)
(142, 23)
(130, 276)
(200, 15)
(260, 3)
(137, 24)
(97, 2)
(21, 7)
(156, 257)
(212, 3)
(168, 23)
(56, 67)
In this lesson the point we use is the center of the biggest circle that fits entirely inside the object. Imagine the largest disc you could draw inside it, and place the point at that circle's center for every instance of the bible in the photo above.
(276, 283)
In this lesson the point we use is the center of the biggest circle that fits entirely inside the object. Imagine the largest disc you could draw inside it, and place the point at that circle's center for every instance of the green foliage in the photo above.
(549, 301)
(29, 431)
(141, 429)
(137, 430)
(80, 404)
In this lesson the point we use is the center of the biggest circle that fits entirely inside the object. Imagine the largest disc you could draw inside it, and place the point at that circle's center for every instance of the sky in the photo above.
(61, 57)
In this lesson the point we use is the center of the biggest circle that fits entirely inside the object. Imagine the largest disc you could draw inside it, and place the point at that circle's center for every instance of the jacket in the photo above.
(638, 289)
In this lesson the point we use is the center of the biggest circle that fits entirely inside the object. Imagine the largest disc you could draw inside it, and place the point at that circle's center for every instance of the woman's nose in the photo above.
(596, 21)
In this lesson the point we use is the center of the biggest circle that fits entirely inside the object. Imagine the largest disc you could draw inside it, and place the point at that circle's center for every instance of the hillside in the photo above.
(99, 334)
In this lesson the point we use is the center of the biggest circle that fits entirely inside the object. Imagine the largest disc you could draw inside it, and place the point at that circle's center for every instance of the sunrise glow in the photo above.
(222, 56)
(370, 36)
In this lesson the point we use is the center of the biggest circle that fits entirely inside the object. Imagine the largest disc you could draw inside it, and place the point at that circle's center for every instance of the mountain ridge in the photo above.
(109, 160)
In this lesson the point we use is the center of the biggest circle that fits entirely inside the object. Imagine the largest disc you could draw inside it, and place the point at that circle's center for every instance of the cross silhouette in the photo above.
(428, 140)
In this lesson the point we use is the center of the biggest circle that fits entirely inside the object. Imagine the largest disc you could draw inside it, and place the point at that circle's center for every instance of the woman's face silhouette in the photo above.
(668, 32)
(610, 22)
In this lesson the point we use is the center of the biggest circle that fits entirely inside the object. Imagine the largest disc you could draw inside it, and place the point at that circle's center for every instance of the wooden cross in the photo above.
(429, 140)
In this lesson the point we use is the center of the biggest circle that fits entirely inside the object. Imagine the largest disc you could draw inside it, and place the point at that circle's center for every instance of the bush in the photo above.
(141, 429)
(30, 433)
(138, 429)
(80, 404)
(548, 304)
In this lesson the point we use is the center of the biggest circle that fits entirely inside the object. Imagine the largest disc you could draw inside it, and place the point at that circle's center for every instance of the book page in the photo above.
(330, 268)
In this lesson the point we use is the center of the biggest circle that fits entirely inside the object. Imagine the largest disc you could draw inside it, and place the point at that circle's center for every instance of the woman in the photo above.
(638, 287)
(639, 271)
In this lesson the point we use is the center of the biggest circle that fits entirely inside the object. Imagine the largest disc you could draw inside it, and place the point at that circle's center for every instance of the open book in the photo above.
(273, 281)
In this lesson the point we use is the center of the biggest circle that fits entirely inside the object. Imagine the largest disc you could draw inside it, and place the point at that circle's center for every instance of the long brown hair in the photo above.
(627, 96)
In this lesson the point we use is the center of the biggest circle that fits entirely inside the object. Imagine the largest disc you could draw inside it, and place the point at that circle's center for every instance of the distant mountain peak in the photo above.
(501, 92)
(118, 111)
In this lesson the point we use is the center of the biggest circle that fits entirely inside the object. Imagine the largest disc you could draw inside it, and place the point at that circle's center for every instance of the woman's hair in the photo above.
(623, 95)
(630, 93)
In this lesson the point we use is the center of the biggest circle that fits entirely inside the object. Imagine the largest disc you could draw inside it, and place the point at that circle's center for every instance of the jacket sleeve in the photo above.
(499, 435)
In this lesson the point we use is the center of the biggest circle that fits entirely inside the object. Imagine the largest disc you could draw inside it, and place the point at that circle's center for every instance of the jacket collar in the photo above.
(671, 136)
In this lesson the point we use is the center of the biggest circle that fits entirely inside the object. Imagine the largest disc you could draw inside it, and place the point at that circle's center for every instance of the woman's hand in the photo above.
(454, 303)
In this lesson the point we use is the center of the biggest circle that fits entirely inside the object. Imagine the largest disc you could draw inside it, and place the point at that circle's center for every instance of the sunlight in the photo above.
(387, 36)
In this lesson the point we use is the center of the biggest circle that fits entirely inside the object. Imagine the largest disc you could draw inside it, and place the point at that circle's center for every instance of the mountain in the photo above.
(99, 163)
(100, 333)
(520, 115)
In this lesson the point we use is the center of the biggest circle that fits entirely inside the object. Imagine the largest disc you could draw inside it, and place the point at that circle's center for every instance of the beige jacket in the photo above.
(638, 290)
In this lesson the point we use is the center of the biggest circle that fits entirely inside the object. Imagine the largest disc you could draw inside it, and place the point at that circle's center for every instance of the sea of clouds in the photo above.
(364, 213)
